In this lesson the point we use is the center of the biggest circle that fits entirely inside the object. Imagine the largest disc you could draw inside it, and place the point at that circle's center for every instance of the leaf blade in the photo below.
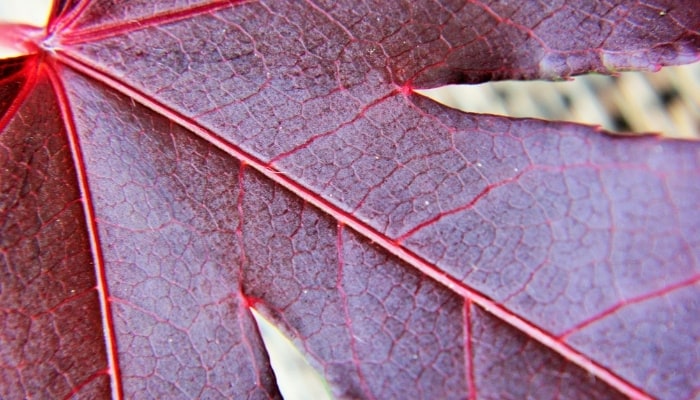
(52, 320)
(337, 118)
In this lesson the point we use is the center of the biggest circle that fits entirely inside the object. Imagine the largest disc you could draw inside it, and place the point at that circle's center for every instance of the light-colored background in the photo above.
(32, 12)
(667, 102)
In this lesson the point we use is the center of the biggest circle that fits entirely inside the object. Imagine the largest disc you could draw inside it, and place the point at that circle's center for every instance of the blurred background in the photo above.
(666, 102)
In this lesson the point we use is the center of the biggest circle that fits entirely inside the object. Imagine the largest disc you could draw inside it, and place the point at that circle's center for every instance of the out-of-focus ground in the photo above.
(666, 102)
(31, 12)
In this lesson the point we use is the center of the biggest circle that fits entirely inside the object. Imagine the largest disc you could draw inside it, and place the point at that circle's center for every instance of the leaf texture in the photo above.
(167, 165)
(52, 341)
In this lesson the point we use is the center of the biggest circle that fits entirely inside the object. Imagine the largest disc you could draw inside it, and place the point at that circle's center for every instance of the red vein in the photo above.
(330, 18)
(86, 382)
(239, 230)
(58, 23)
(88, 209)
(27, 88)
(488, 189)
(102, 32)
(625, 303)
(73, 298)
(468, 349)
(358, 115)
(348, 320)
(346, 219)
(244, 305)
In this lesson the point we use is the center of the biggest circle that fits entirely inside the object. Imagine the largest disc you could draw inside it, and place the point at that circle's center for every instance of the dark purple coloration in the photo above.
(51, 329)
(217, 155)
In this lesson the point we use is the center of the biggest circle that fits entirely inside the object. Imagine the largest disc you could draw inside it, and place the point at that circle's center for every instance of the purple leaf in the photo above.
(167, 167)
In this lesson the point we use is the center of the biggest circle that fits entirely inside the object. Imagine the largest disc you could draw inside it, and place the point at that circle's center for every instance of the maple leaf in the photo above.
(166, 166)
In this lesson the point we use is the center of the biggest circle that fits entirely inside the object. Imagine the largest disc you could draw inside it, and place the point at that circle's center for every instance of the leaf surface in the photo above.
(207, 157)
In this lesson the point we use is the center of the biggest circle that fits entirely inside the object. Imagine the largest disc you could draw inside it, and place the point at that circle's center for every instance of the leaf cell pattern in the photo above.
(168, 165)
